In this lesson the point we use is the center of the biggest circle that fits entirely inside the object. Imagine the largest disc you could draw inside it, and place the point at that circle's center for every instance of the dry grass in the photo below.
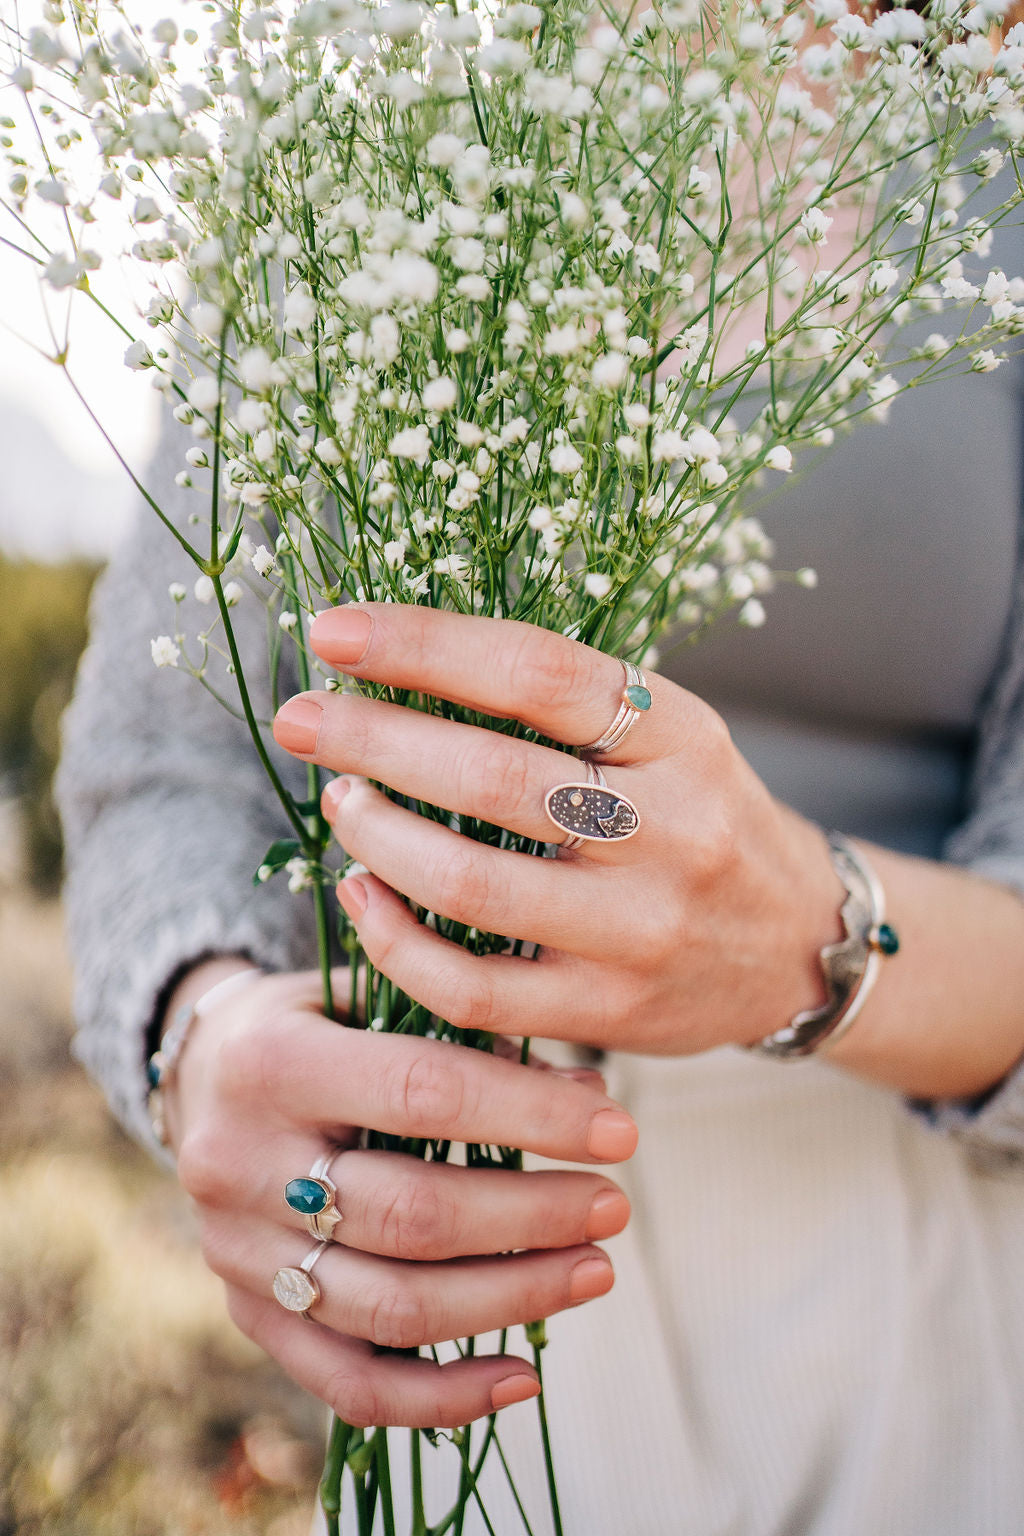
(129, 1406)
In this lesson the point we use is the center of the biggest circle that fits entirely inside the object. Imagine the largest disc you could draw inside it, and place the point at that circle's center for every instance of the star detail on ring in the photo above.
(592, 812)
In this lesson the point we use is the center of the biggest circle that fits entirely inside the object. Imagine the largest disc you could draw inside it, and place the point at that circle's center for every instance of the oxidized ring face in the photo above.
(592, 811)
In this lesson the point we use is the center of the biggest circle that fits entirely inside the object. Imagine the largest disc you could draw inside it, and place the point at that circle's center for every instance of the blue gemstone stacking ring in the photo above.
(314, 1198)
(635, 701)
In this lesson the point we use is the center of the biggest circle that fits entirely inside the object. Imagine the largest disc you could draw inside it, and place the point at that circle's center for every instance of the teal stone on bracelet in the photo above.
(884, 938)
(307, 1196)
(638, 696)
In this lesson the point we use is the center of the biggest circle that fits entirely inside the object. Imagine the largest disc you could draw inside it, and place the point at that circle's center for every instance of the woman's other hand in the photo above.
(425, 1252)
(703, 928)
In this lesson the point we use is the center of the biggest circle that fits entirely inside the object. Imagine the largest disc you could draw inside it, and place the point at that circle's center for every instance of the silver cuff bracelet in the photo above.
(849, 966)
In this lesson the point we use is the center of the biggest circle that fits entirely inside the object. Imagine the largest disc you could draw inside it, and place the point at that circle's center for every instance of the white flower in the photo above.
(985, 361)
(138, 356)
(752, 613)
(394, 552)
(669, 446)
(468, 255)
(444, 149)
(176, 592)
(457, 340)
(203, 393)
(287, 620)
(636, 414)
(882, 276)
(469, 434)
(712, 475)
(596, 584)
(164, 651)
(779, 458)
(263, 562)
(882, 392)
(959, 289)
(233, 593)
(299, 872)
(440, 394)
(256, 370)
(610, 371)
(204, 590)
(815, 225)
(565, 460)
(299, 310)
(828, 341)
(411, 443)
(807, 577)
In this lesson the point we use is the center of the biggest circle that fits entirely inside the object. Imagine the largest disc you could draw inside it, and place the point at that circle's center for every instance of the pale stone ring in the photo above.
(635, 701)
(315, 1197)
(295, 1287)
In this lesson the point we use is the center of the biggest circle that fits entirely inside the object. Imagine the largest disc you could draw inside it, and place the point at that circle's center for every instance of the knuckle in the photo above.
(464, 883)
(399, 1318)
(550, 671)
(417, 1223)
(497, 777)
(429, 1094)
(353, 1398)
(204, 1167)
(714, 851)
(470, 1002)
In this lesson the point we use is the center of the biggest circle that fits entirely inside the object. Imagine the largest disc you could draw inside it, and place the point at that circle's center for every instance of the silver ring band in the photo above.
(636, 701)
(294, 1286)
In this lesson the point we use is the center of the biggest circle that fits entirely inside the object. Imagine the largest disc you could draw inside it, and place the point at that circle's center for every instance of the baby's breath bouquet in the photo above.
(506, 309)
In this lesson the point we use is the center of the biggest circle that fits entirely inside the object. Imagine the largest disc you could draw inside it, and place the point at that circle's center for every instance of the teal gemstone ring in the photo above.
(635, 701)
(314, 1198)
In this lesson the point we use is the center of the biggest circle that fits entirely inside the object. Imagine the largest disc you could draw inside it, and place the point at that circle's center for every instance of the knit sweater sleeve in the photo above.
(166, 810)
(990, 841)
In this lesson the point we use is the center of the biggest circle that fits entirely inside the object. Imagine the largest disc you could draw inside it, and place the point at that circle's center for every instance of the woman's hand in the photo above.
(425, 1253)
(703, 928)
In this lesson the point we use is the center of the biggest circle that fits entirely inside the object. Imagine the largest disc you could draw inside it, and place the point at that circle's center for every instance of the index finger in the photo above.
(316, 1073)
(564, 689)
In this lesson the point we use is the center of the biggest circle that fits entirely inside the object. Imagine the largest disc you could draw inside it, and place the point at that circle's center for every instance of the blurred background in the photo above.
(129, 1407)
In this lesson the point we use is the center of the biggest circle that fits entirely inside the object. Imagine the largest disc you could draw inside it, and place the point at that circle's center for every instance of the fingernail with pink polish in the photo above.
(613, 1135)
(341, 635)
(332, 796)
(514, 1389)
(297, 726)
(590, 1278)
(353, 896)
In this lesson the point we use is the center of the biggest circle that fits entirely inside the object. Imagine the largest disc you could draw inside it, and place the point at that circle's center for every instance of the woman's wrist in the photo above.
(945, 1020)
(177, 1021)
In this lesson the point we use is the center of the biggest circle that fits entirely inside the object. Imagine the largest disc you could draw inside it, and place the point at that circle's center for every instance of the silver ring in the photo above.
(295, 1288)
(636, 701)
(590, 812)
(315, 1199)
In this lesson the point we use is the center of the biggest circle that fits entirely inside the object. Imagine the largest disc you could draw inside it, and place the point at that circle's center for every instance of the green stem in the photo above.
(334, 1468)
(549, 1465)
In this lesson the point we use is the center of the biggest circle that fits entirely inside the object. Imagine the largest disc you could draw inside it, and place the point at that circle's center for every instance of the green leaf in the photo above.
(276, 857)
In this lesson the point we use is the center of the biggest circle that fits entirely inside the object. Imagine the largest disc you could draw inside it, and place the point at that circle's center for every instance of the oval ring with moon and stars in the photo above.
(592, 811)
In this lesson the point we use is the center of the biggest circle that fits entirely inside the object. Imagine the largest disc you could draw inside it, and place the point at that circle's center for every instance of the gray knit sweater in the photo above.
(167, 814)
